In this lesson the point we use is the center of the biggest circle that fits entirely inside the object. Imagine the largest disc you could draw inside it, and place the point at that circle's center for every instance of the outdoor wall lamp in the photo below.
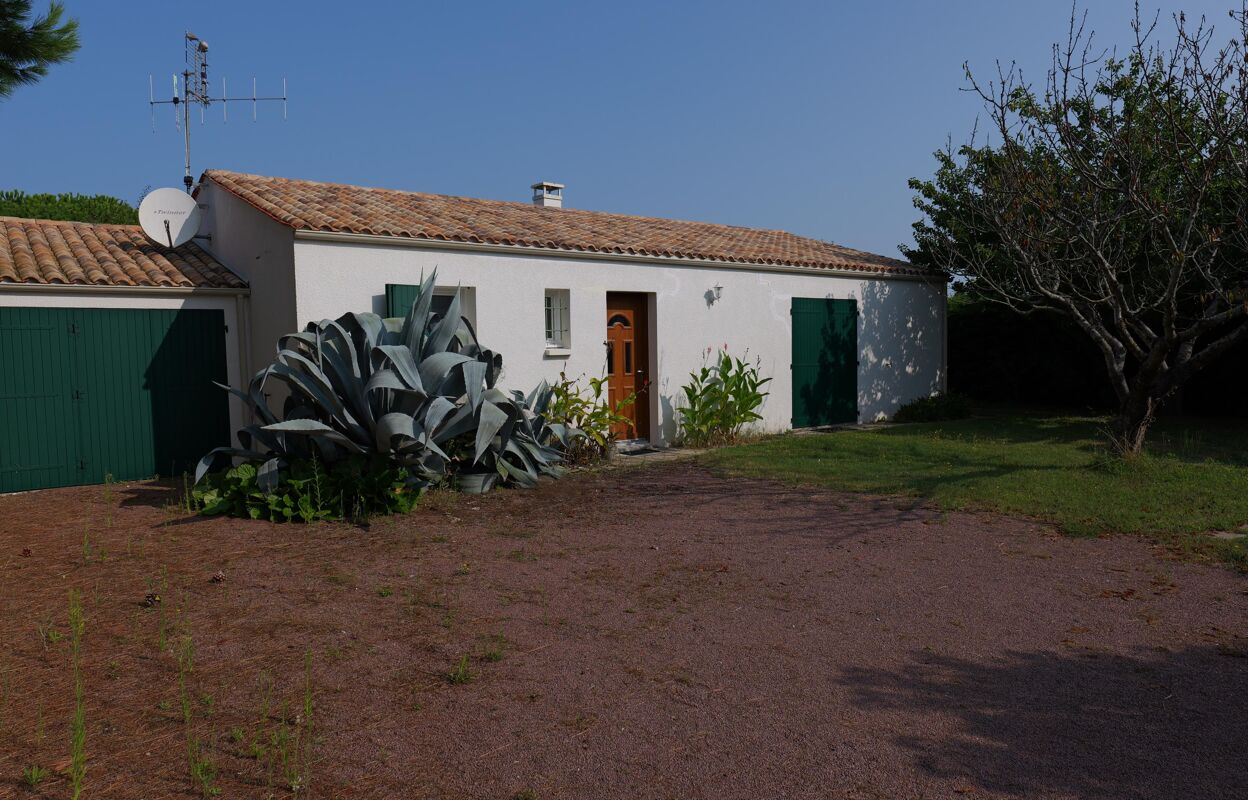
(717, 291)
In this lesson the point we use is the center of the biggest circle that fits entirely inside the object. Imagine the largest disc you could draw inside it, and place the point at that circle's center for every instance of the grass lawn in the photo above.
(1193, 480)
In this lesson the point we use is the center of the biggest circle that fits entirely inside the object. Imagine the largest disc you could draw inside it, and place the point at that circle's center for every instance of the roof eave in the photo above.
(597, 255)
(94, 288)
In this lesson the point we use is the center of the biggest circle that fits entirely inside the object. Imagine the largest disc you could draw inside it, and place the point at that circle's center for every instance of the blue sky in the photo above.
(808, 117)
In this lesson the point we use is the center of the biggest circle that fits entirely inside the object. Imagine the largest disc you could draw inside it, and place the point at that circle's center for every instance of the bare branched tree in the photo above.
(1117, 194)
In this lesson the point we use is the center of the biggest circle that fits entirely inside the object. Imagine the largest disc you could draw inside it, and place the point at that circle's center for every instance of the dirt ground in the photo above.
(654, 632)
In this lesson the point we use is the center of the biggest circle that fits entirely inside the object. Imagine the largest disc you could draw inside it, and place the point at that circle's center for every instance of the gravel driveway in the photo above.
(657, 632)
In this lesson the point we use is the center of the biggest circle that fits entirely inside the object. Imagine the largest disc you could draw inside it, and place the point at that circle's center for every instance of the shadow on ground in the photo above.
(1083, 724)
(152, 494)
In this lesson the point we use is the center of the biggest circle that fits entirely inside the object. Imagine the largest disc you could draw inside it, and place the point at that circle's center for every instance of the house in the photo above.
(108, 347)
(110, 342)
(846, 335)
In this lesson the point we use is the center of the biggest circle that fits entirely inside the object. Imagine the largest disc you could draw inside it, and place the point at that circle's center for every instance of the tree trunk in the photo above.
(1132, 424)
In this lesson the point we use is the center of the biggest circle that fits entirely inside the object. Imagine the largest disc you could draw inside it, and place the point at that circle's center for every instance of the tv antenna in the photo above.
(194, 90)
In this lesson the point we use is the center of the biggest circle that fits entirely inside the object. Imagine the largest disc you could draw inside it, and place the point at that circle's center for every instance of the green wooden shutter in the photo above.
(399, 298)
(825, 361)
(86, 393)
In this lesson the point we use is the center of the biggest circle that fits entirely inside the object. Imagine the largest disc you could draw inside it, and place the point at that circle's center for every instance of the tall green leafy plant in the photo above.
(588, 411)
(414, 394)
(721, 398)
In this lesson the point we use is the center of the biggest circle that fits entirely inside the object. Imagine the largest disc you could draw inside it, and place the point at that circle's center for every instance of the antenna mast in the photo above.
(195, 90)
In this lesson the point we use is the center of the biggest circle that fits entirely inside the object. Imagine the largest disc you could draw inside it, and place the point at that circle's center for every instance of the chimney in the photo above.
(547, 194)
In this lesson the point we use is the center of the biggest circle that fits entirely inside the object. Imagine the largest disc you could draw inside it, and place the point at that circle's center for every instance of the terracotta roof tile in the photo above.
(341, 208)
(41, 251)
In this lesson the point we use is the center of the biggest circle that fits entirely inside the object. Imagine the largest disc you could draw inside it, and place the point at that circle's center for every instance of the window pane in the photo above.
(557, 317)
(611, 358)
(628, 358)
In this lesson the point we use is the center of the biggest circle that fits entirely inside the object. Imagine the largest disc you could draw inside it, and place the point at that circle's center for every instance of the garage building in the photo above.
(109, 346)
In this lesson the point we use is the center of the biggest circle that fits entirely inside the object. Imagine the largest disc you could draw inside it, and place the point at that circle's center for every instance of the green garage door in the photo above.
(825, 361)
(90, 392)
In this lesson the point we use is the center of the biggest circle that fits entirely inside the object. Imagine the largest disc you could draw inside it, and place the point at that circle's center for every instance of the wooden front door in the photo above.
(628, 362)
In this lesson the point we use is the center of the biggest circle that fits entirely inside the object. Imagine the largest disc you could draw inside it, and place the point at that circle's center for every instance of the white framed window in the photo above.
(442, 296)
(558, 328)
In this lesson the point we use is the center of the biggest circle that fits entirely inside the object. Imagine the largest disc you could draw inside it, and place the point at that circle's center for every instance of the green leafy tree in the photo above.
(28, 47)
(76, 207)
(1116, 193)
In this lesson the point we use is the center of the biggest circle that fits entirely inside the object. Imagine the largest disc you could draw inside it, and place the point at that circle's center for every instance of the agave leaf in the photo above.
(475, 482)
(318, 392)
(404, 365)
(339, 362)
(459, 422)
(441, 336)
(394, 425)
(491, 419)
(386, 379)
(539, 397)
(437, 411)
(312, 427)
(365, 331)
(435, 368)
(268, 476)
(521, 475)
(563, 433)
(250, 435)
(474, 379)
(299, 341)
(210, 462)
(416, 323)
(300, 426)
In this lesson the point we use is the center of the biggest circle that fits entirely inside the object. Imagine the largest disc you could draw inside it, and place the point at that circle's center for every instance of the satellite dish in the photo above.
(169, 217)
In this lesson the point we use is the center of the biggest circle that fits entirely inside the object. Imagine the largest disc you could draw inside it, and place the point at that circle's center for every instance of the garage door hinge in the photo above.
(82, 463)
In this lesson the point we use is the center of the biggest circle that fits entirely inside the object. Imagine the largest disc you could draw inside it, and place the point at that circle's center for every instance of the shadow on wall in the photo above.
(190, 415)
(900, 347)
(1082, 723)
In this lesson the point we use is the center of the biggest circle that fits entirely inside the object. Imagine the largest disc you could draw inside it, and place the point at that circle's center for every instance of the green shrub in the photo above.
(588, 412)
(720, 400)
(75, 207)
(937, 408)
(353, 488)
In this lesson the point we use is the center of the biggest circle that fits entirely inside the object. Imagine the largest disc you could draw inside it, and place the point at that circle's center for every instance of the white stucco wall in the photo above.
(260, 251)
(233, 307)
(900, 335)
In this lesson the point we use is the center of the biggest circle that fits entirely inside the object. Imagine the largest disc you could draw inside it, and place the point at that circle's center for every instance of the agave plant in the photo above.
(419, 389)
